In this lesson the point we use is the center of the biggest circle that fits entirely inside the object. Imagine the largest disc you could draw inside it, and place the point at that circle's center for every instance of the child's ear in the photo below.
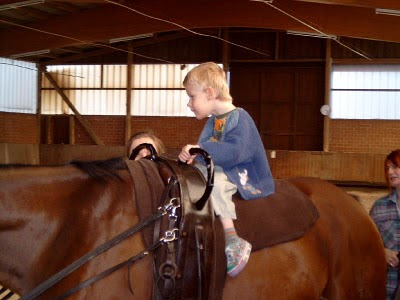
(210, 93)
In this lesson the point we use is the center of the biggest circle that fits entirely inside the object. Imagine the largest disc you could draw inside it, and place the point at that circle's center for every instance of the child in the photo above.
(145, 137)
(232, 139)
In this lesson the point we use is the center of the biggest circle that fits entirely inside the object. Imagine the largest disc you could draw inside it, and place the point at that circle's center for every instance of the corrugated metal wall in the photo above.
(101, 90)
(18, 86)
(365, 92)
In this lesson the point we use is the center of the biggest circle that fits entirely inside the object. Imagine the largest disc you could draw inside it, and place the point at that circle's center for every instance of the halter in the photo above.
(170, 207)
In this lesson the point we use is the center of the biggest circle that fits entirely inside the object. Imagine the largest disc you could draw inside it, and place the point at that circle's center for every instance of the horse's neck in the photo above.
(45, 213)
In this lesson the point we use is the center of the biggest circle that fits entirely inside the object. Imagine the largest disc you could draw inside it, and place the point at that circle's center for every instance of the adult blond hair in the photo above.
(209, 74)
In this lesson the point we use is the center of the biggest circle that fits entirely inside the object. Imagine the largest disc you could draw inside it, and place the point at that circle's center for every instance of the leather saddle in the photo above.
(200, 266)
(200, 257)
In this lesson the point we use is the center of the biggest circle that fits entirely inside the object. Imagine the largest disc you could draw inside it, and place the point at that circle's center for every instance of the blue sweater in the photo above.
(241, 154)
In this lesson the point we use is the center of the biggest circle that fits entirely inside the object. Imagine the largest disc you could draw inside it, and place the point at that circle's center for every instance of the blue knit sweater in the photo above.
(241, 154)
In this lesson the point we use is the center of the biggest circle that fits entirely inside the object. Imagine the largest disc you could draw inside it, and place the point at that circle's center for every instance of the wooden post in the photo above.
(71, 130)
(48, 130)
(81, 120)
(128, 93)
(276, 54)
(328, 71)
(39, 105)
(225, 51)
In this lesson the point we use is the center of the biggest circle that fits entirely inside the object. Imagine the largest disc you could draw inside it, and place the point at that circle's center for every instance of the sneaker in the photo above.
(237, 255)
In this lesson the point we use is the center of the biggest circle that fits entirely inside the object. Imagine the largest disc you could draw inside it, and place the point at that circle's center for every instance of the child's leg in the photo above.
(237, 250)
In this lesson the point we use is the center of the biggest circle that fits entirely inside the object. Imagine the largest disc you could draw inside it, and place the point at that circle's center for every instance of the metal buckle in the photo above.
(171, 207)
(170, 236)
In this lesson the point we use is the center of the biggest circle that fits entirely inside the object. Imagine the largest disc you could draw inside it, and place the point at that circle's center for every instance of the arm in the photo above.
(236, 146)
(185, 156)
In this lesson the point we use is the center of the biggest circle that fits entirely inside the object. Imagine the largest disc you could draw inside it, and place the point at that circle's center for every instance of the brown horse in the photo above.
(51, 216)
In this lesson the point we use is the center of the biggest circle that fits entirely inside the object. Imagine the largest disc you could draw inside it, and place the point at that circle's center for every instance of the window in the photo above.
(14, 96)
(101, 90)
(365, 92)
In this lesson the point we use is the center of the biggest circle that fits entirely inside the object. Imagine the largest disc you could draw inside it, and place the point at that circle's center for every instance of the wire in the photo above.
(22, 67)
(186, 29)
(85, 42)
(269, 2)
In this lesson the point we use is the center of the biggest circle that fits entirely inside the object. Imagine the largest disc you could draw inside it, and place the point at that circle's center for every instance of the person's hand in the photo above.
(185, 156)
(391, 257)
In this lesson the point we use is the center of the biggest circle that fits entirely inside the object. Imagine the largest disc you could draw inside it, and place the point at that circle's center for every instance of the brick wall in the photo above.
(367, 136)
(18, 128)
(110, 129)
(175, 132)
(364, 136)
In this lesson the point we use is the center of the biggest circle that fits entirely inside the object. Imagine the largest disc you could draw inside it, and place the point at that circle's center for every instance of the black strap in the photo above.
(148, 146)
(78, 263)
(109, 271)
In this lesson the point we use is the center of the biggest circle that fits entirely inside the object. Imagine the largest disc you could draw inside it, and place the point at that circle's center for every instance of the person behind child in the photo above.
(145, 137)
(385, 213)
(232, 139)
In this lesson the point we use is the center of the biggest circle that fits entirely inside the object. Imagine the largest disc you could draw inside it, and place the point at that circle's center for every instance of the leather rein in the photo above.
(170, 207)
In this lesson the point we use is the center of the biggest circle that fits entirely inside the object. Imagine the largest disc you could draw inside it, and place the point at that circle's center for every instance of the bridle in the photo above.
(170, 207)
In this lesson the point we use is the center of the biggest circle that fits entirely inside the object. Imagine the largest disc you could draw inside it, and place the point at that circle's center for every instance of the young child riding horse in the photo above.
(232, 139)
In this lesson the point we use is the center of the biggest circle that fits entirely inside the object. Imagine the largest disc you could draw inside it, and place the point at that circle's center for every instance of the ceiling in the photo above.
(64, 30)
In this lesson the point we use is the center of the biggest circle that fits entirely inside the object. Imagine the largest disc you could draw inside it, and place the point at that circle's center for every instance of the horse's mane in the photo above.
(12, 166)
(102, 170)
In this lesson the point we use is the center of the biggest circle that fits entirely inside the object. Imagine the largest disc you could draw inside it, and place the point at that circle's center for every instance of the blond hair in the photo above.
(209, 74)
(158, 144)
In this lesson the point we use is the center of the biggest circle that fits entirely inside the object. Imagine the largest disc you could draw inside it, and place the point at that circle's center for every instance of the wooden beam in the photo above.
(39, 107)
(81, 120)
(225, 50)
(328, 72)
(71, 130)
(103, 51)
(388, 4)
(48, 130)
(63, 6)
(128, 94)
(30, 11)
(109, 21)
(78, 1)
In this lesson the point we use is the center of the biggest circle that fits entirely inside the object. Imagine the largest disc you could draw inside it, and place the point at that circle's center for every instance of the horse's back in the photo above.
(340, 257)
(357, 264)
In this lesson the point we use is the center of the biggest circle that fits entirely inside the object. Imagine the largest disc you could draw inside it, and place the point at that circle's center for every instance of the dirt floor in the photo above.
(366, 195)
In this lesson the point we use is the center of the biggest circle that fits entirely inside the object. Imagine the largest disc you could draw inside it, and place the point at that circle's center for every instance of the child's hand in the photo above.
(185, 156)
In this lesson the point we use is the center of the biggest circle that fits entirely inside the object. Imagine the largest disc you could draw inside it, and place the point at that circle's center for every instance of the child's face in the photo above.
(144, 152)
(199, 102)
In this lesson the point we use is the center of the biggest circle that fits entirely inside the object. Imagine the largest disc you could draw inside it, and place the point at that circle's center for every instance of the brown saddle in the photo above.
(284, 216)
(200, 266)
(281, 217)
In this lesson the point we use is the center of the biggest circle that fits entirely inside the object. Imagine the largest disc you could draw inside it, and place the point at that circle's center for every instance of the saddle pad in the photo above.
(281, 217)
